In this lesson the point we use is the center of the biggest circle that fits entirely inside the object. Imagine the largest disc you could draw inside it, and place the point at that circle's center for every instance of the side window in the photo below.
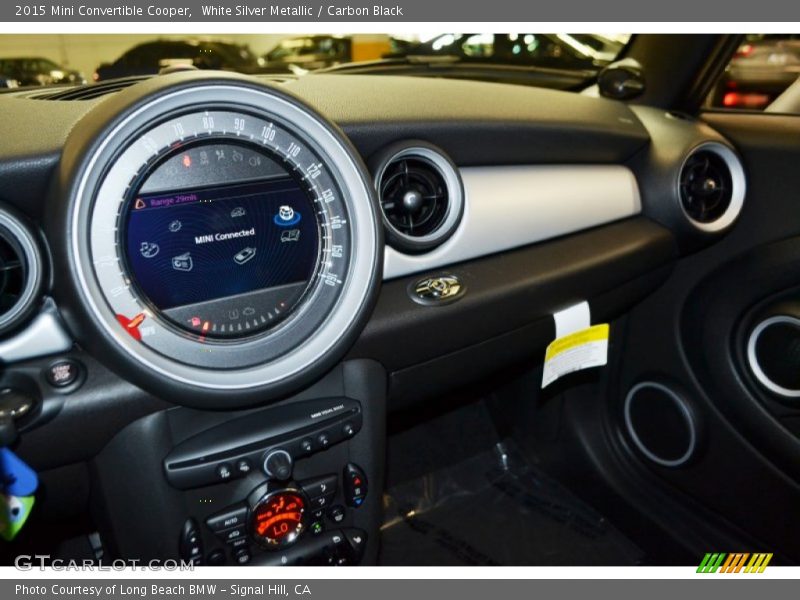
(762, 75)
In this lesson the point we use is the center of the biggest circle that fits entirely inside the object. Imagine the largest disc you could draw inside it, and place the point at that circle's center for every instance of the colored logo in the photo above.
(735, 562)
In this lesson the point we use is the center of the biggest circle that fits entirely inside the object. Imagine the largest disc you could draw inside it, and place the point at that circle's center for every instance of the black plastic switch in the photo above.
(320, 486)
(355, 485)
(357, 538)
(233, 516)
(190, 545)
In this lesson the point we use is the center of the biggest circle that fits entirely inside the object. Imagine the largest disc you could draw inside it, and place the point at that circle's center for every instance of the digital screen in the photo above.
(189, 248)
(279, 520)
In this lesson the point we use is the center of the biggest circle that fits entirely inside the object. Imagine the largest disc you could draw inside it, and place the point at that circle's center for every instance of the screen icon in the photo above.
(290, 235)
(244, 255)
(139, 204)
(182, 262)
(148, 249)
(175, 226)
(238, 212)
(286, 216)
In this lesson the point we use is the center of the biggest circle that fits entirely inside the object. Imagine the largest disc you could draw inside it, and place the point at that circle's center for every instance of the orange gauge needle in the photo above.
(132, 325)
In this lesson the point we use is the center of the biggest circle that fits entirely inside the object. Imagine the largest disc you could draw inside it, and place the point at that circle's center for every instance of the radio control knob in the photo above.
(278, 465)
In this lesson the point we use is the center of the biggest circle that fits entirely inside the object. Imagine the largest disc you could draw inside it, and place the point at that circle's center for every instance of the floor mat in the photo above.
(494, 508)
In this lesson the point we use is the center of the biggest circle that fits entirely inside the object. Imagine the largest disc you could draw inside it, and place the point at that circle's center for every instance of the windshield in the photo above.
(528, 57)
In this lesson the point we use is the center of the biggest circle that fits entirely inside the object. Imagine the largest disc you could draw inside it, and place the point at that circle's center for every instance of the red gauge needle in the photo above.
(132, 325)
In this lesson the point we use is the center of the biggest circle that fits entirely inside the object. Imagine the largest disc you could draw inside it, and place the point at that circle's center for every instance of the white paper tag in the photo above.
(572, 319)
(577, 345)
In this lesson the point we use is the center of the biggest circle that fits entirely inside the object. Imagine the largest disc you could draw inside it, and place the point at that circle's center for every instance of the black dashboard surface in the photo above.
(476, 123)
(504, 317)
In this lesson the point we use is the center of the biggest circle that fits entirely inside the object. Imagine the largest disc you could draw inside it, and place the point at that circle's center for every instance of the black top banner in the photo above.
(476, 11)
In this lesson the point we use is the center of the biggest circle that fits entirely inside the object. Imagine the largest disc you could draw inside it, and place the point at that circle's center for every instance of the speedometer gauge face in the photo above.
(222, 238)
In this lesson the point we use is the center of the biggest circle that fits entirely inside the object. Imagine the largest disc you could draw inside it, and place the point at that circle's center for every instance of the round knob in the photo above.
(278, 465)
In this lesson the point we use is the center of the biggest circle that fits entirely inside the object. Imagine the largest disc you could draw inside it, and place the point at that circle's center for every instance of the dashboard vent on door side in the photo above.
(711, 187)
(421, 198)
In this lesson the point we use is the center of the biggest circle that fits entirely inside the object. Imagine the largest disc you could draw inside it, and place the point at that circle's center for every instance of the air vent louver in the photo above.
(706, 187)
(91, 91)
(413, 197)
(12, 274)
(711, 187)
(421, 198)
(20, 272)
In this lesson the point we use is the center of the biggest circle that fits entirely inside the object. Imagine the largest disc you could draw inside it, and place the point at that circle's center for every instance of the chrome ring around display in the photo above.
(303, 339)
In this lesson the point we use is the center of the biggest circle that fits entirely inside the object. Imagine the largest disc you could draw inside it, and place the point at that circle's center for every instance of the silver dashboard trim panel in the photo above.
(508, 207)
(45, 335)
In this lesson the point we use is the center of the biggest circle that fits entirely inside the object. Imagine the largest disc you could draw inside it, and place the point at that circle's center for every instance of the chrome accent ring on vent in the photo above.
(20, 238)
(454, 189)
(738, 187)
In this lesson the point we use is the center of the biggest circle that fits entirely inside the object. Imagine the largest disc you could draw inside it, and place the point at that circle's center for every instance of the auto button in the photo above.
(233, 516)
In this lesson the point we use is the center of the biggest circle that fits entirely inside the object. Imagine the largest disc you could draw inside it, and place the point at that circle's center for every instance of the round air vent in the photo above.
(711, 187)
(421, 197)
(20, 271)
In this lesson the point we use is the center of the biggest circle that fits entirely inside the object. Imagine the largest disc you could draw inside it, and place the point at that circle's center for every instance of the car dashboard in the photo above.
(218, 286)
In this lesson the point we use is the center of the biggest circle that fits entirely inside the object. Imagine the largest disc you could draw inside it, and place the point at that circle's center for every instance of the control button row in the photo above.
(230, 526)
(226, 470)
(320, 486)
(339, 547)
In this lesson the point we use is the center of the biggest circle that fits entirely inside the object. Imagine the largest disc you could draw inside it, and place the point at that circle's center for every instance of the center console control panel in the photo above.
(297, 522)
(236, 448)
(297, 482)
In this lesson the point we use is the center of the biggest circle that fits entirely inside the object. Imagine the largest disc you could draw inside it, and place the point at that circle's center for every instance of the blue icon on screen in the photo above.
(286, 217)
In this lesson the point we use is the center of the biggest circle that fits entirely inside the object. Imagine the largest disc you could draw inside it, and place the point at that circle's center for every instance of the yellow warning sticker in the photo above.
(576, 351)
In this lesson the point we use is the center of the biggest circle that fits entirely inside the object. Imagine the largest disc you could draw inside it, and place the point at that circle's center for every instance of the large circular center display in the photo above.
(278, 520)
(221, 238)
(224, 238)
